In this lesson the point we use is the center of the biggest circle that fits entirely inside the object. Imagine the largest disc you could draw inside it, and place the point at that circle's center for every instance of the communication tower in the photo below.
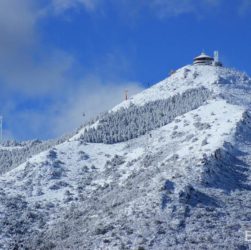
(216, 56)
(1, 129)
(126, 95)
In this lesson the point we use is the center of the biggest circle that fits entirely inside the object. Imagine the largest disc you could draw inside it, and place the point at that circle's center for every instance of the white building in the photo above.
(204, 59)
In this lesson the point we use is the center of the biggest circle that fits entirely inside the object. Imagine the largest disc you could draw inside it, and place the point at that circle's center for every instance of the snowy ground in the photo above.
(184, 185)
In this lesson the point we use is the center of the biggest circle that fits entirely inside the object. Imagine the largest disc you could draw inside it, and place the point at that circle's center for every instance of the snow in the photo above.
(185, 78)
(203, 55)
(155, 190)
(188, 77)
(10, 148)
(182, 80)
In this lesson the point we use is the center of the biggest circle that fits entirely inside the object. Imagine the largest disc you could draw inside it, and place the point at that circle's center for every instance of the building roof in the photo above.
(203, 56)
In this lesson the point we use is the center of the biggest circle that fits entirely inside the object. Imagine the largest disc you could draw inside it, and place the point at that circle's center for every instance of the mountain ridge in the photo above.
(171, 186)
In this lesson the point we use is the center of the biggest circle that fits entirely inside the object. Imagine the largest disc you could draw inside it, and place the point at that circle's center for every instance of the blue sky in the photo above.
(60, 58)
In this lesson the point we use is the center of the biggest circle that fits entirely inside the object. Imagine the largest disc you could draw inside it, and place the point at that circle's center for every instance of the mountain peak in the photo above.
(189, 76)
(144, 173)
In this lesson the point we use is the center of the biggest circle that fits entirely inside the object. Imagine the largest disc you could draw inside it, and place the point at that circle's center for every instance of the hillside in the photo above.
(167, 169)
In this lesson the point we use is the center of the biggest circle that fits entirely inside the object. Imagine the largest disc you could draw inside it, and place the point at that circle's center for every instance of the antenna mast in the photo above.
(1, 129)
(126, 95)
(216, 56)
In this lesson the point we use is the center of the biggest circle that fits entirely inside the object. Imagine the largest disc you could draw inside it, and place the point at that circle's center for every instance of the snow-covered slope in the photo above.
(13, 153)
(183, 184)
(182, 80)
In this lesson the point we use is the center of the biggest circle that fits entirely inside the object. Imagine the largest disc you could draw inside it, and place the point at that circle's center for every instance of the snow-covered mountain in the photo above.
(170, 168)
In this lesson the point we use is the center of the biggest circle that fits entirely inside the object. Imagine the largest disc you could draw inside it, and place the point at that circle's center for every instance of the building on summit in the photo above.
(204, 59)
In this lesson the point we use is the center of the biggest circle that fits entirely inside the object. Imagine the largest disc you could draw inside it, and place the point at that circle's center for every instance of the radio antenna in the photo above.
(126, 95)
(1, 129)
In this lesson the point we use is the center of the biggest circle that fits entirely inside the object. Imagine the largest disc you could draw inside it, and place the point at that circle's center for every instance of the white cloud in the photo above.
(17, 21)
(93, 97)
(178, 7)
(39, 97)
(34, 78)
(17, 31)
(65, 114)
(25, 65)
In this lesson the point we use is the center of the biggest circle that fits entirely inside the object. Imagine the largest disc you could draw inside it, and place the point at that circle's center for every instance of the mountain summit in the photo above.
(169, 168)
